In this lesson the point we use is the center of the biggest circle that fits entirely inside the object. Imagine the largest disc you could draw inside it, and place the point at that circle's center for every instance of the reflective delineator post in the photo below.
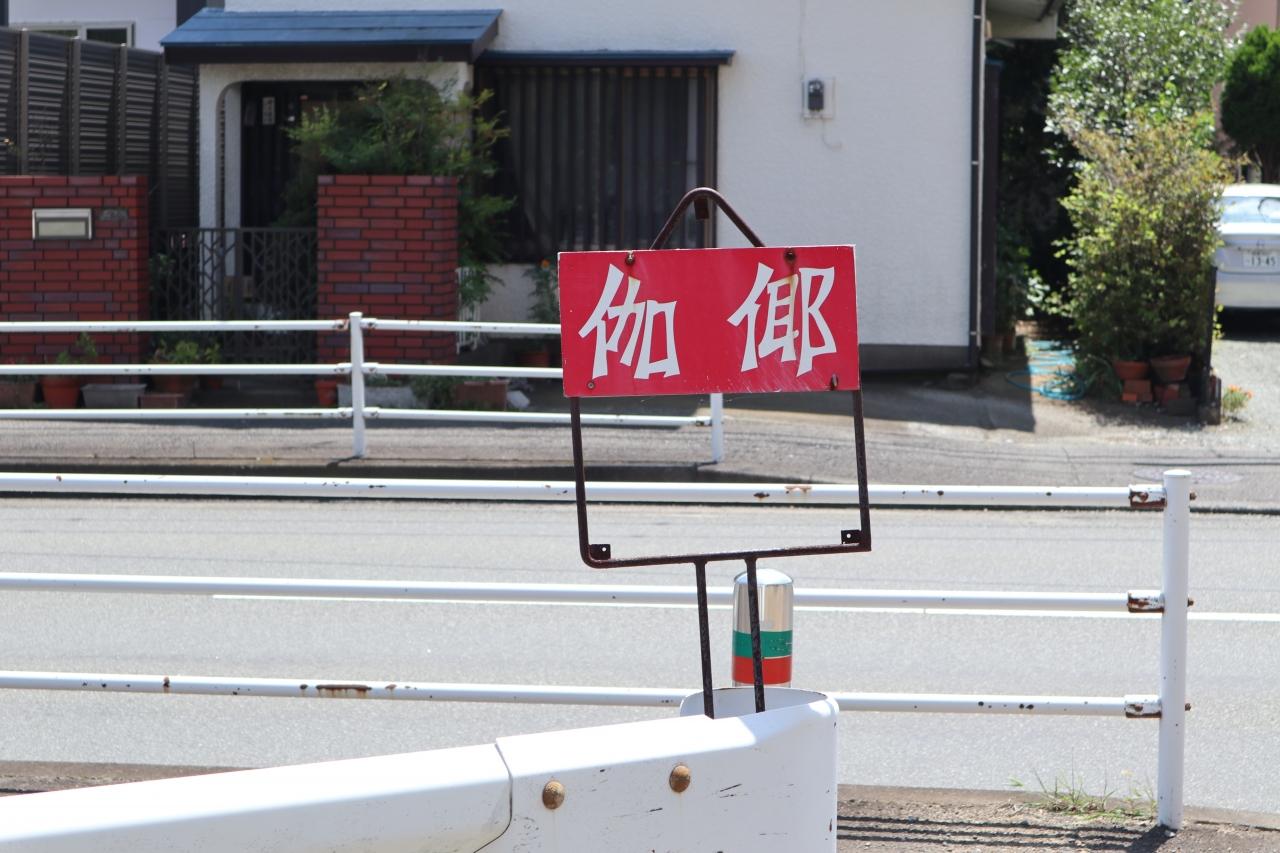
(354, 320)
(1173, 649)
(777, 596)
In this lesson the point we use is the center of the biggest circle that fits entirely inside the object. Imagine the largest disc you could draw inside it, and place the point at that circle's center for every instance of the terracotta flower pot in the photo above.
(170, 384)
(1171, 368)
(17, 395)
(486, 394)
(1126, 370)
(326, 393)
(60, 392)
(540, 357)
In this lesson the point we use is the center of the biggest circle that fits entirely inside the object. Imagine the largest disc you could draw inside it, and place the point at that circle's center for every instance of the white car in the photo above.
(1249, 261)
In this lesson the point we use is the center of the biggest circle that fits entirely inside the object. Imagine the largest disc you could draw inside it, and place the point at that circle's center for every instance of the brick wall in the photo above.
(100, 279)
(388, 246)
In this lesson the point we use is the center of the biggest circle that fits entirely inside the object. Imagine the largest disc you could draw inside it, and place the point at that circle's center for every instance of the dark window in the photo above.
(110, 35)
(599, 155)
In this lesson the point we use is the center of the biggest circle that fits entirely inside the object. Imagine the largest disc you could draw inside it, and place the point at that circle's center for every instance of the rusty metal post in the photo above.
(354, 321)
(1173, 649)
(717, 428)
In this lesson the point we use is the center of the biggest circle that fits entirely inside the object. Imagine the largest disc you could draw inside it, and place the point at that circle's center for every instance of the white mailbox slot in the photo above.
(62, 223)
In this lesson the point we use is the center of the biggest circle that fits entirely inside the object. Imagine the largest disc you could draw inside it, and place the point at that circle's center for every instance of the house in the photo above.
(830, 123)
(824, 122)
(136, 23)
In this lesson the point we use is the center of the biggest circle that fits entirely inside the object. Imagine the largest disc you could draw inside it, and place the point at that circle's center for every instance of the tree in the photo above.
(1251, 99)
(1131, 63)
(406, 126)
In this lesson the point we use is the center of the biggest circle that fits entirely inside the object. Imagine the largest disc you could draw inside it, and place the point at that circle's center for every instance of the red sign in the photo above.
(693, 321)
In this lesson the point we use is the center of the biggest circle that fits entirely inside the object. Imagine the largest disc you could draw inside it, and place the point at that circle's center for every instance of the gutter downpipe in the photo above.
(975, 179)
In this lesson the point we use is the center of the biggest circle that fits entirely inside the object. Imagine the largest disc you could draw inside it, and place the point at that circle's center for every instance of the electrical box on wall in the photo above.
(818, 97)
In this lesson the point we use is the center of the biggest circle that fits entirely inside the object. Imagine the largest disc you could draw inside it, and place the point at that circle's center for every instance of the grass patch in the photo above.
(1067, 795)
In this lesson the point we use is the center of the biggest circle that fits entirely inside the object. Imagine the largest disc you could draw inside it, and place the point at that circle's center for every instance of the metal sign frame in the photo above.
(599, 555)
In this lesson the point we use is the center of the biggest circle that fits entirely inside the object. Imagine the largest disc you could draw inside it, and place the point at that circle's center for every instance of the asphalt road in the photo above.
(1235, 636)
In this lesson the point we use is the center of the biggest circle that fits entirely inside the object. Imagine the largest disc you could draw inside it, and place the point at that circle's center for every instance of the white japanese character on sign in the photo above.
(642, 317)
(780, 321)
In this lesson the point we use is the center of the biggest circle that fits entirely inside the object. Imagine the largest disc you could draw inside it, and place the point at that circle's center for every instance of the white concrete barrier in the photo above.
(743, 782)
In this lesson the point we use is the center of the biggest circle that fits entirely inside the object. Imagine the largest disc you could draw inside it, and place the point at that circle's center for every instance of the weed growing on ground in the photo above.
(1234, 399)
(1067, 795)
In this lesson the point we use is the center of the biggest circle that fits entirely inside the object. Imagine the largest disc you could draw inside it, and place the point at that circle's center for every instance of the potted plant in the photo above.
(16, 391)
(211, 354)
(183, 351)
(536, 352)
(477, 392)
(326, 393)
(62, 390)
(434, 392)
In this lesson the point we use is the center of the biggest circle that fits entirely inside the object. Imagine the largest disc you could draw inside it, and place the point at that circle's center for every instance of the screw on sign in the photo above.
(708, 320)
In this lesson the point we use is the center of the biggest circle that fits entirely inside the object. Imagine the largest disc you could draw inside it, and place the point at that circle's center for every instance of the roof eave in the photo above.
(340, 52)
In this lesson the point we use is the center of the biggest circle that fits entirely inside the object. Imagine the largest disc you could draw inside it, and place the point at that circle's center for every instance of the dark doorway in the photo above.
(268, 110)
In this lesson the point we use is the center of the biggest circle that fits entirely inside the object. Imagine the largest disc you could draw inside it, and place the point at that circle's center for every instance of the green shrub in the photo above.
(1144, 210)
(180, 351)
(1251, 99)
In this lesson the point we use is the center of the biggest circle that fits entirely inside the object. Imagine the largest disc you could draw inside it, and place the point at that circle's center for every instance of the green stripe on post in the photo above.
(773, 644)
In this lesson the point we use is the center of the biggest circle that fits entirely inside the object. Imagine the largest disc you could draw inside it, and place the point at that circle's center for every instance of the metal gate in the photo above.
(239, 274)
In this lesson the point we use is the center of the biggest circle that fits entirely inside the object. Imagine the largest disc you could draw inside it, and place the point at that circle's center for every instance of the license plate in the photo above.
(1262, 260)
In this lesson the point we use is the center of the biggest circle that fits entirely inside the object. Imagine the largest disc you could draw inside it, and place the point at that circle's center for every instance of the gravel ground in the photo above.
(968, 822)
(1248, 355)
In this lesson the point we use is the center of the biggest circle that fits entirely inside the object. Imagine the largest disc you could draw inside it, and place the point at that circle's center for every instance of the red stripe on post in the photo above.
(776, 670)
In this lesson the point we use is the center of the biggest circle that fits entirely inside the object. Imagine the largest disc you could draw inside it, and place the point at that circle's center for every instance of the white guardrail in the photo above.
(357, 368)
(1170, 601)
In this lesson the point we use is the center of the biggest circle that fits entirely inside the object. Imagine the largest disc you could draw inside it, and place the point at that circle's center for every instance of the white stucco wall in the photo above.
(889, 173)
(152, 19)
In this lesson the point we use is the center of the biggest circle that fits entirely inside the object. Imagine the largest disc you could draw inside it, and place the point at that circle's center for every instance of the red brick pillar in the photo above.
(387, 245)
(104, 278)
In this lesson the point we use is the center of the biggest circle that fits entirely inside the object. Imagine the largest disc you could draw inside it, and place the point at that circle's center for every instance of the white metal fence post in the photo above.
(1173, 649)
(354, 320)
(717, 428)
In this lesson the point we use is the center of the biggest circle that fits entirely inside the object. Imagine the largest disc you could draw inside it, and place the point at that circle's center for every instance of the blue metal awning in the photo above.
(218, 36)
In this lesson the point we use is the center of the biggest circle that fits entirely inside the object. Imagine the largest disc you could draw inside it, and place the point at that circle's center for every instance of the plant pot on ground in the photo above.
(477, 393)
(211, 354)
(1128, 369)
(326, 393)
(112, 395)
(1171, 368)
(17, 392)
(176, 352)
(380, 392)
(62, 390)
(17, 395)
(533, 354)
